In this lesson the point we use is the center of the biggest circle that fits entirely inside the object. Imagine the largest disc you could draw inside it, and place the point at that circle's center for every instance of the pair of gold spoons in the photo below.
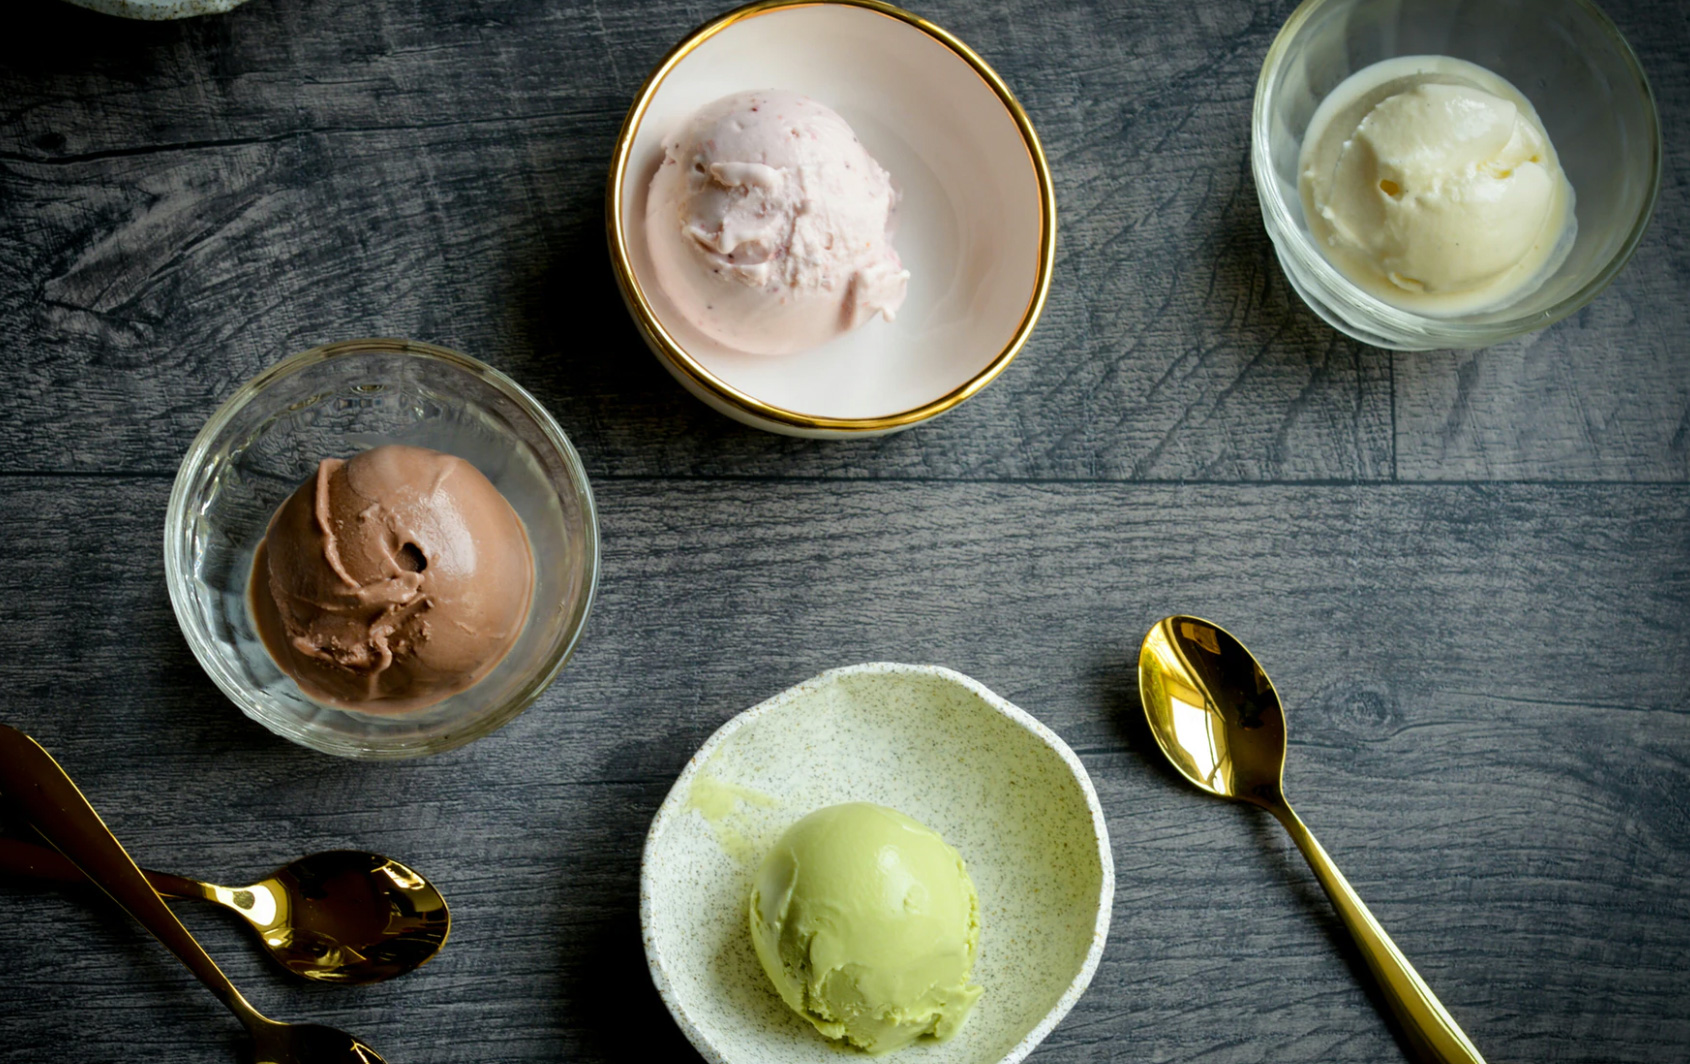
(338, 917)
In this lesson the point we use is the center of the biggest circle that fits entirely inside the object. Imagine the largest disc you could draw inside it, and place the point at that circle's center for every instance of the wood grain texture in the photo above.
(1489, 700)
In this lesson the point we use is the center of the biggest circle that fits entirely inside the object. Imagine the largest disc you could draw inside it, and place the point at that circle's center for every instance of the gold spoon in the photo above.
(34, 785)
(1218, 719)
(338, 917)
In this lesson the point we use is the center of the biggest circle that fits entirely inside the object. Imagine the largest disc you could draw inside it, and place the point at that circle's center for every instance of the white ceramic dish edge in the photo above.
(675, 805)
(158, 10)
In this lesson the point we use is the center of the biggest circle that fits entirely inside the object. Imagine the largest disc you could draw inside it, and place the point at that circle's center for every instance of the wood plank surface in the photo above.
(1489, 701)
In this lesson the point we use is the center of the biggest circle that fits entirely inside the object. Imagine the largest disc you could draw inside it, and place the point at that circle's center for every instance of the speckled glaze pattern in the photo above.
(158, 10)
(998, 785)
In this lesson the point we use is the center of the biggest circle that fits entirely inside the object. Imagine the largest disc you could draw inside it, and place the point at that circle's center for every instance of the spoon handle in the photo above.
(1435, 1036)
(26, 860)
(37, 787)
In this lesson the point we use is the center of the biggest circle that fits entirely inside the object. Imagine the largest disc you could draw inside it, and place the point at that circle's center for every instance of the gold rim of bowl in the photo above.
(658, 337)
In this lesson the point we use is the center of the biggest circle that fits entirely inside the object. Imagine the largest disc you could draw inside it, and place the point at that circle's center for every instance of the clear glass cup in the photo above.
(335, 401)
(1565, 56)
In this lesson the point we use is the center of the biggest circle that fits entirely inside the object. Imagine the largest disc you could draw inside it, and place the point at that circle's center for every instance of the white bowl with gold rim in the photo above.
(998, 785)
(976, 226)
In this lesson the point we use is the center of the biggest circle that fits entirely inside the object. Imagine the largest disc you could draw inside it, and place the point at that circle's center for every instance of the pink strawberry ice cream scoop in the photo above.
(770, 225)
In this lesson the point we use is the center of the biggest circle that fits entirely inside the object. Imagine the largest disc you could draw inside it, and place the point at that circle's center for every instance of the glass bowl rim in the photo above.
(1292, 240)
(212, 660)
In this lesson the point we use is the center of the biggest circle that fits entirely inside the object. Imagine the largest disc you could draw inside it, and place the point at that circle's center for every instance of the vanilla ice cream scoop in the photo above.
(1431, 183)
(770, 225)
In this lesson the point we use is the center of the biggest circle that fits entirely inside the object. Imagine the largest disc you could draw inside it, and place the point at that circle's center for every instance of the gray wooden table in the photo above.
(1468, 572)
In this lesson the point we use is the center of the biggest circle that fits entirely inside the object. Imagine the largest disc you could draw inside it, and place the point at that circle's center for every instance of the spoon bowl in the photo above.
(1213, 710)
(1219, 722)
(344, 916)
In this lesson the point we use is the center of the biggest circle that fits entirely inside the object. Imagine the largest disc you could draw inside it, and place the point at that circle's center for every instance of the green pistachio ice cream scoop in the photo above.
(868, 925)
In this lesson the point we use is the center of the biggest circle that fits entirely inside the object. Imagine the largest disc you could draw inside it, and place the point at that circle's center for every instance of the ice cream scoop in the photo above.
(392, 580)
(1431, 183)
(868, 925)
(770, 225)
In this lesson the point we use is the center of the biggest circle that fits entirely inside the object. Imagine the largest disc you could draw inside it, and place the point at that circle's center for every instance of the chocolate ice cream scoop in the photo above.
(392, 580)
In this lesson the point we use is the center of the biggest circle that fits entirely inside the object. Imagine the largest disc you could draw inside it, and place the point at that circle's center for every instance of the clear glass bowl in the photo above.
(335, 401)
(1564, 55)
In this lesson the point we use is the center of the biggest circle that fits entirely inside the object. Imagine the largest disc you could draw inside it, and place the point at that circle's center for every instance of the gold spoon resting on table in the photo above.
(339, 917)
(1218, 719)
(33, 785)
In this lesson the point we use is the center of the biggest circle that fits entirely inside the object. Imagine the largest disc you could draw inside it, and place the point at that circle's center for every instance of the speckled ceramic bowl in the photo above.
(998, 785)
